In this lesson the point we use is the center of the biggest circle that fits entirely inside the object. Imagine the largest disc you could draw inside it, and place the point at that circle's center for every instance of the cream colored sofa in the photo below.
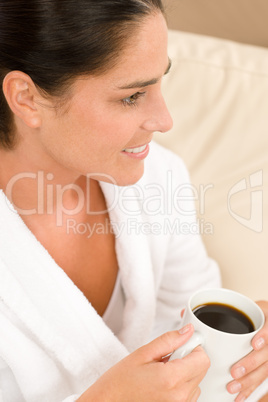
(217, 93)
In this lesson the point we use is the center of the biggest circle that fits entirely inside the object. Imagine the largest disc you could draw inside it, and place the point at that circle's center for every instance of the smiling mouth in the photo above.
(135, 150)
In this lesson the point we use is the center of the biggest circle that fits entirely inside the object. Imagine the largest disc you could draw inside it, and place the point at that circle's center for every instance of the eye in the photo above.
(132, 100)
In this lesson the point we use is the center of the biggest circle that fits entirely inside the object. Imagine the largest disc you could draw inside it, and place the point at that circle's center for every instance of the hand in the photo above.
(145, 376)
(252, 370)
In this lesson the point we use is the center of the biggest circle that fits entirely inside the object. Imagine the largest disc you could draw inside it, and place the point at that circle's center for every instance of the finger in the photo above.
(197, 359)
(249, 363)
(247, 384)
(194, 397)
(261, 339)
(164, 345)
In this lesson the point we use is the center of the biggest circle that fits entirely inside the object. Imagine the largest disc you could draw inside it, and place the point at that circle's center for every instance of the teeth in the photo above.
(135, 150)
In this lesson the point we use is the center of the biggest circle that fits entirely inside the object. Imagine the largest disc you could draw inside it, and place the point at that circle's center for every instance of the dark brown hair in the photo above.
(55, 41)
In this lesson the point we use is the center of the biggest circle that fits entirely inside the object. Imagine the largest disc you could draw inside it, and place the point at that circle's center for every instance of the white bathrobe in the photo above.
(53, 344)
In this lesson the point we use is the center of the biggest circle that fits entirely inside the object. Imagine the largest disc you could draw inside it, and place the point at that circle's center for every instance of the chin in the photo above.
(131, 179)
(123, 179)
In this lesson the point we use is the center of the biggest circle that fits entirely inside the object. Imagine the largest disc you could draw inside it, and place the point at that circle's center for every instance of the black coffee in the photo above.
(224, 318)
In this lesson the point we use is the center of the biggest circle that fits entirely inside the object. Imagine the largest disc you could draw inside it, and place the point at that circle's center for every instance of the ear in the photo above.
(21, 95)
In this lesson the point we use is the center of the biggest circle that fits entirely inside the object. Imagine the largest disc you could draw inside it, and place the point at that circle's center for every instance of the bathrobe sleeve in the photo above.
(9, 390)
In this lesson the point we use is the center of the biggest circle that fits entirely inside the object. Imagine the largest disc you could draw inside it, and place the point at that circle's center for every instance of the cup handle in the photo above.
(196, 340)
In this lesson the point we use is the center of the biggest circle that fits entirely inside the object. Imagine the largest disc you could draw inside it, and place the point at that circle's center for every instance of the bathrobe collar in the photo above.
(47, 305)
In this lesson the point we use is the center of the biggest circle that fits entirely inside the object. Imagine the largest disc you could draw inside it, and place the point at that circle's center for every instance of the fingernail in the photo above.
(259, 344)
(239, 372)
(185, 329)
(235, 387)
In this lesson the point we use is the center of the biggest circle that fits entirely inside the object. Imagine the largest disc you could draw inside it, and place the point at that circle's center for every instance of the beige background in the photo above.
(239, 20)
(217, 92)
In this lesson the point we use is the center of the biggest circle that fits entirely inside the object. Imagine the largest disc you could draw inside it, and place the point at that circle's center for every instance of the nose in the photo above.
(158, 117)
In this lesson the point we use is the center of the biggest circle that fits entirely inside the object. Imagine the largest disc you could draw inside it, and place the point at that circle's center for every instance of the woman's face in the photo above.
(111, 118)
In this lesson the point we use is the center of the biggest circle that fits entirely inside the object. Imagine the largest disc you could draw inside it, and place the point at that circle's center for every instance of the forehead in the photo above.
(143, 59)
(144, 56)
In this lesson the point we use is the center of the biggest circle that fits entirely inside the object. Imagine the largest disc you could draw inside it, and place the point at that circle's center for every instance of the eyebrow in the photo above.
(141, 84)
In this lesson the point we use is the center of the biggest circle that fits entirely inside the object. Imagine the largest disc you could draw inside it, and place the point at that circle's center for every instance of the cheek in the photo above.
(105, 130)
(59, 139)
(89, 133)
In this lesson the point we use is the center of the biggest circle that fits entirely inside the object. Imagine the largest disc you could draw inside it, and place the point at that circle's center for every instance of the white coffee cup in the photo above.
(223, 348)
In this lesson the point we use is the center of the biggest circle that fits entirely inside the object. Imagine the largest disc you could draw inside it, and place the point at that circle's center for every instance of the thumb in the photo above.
(164, 344)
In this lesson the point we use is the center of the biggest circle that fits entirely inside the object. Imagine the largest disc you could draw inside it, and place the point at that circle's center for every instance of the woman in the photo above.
(94, 257)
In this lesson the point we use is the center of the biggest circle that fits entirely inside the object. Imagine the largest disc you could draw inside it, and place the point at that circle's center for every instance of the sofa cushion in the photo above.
(217, 93)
